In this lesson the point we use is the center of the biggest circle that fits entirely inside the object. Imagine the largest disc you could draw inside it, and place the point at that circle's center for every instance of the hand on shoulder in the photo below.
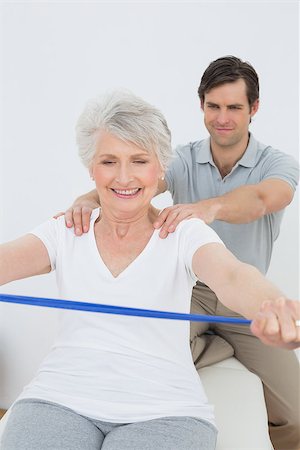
(170, 217)
(79, 214)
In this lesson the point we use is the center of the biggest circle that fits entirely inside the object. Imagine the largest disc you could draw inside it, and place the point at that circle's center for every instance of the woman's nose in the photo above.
(124, 176)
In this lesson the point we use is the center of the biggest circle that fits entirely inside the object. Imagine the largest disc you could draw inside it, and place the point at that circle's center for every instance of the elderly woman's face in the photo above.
(126, 175)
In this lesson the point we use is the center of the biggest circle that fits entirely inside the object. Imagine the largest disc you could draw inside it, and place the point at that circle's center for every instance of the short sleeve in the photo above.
(194, 234)
(177, 174)
(48, 233)
(283, 167)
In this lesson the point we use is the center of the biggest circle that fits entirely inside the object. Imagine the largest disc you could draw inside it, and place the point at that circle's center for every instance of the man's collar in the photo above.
(203, 152)
(248, 159)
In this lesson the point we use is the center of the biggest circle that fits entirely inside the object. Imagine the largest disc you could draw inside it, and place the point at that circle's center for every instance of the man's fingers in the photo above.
(162, 217)
(164, 221)
(79, 217)
(69, 218)
(169, 224)
(57, 215)
(173, 219)
(170, 217)
(86, 217)
(77, 220)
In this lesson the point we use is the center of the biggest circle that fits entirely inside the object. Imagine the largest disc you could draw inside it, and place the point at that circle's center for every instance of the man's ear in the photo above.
(202, 104)
(254, 108)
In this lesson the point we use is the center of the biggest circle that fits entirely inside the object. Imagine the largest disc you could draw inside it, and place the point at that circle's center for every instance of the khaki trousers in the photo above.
(278, 369)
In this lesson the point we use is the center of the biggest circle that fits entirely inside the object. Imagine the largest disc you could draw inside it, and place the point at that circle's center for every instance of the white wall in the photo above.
(56, 55)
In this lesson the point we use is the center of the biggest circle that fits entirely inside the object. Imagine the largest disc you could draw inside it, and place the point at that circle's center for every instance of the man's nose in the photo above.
(223, 117)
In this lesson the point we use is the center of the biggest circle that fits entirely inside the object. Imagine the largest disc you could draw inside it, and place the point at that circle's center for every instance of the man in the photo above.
(240, 187)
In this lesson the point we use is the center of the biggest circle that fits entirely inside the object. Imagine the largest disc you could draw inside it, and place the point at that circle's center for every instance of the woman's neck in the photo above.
(124, 225)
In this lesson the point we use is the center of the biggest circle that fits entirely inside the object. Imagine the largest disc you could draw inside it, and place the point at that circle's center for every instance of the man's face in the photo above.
(227, 113)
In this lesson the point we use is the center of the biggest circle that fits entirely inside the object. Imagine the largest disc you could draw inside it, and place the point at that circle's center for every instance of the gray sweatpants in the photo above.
(37, 425)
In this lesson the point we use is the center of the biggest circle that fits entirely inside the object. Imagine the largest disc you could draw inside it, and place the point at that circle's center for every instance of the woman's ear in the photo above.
(91, 172)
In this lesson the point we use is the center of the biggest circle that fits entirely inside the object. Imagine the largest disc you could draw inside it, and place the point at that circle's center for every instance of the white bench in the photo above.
(239, 406)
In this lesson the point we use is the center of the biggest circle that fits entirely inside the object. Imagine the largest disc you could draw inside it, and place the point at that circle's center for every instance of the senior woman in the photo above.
(116, 382)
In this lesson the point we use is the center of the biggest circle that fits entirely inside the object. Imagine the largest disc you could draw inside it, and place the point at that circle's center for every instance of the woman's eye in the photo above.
(139, 161)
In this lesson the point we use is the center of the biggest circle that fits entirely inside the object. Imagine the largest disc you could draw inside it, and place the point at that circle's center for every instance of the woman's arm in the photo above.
(242, 288)
(22, 258)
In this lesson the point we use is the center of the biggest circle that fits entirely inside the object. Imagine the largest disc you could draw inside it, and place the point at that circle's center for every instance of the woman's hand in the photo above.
(278, 323)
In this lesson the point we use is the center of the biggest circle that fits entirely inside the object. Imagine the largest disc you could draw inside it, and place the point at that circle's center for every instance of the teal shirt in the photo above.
(193, 176)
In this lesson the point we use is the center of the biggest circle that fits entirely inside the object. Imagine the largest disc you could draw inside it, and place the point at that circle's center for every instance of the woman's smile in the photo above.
(126, 193)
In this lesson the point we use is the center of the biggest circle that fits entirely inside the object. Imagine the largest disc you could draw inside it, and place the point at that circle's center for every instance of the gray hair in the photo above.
(126, 117)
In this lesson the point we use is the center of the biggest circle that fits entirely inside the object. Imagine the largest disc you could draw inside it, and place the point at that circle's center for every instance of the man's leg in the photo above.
(206, 348)
(279, 371)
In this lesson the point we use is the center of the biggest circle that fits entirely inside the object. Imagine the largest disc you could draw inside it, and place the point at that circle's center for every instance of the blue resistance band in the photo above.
(120, 310)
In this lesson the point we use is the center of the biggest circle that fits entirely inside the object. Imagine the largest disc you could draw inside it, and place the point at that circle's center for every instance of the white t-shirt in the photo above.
(119, 368)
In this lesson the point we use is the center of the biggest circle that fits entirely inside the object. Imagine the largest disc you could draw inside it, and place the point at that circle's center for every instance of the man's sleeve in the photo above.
(283, 167)
(177, 173)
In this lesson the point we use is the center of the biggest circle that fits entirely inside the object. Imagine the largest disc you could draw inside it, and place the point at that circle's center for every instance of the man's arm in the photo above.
(242, 288)
(22, 258)
(242, 205)
(79, 214)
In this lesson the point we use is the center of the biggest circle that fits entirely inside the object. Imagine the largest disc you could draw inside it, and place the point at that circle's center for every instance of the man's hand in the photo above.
(79, 217)
(170, 217)
(79, 214)
(277, 323)
(242, 205)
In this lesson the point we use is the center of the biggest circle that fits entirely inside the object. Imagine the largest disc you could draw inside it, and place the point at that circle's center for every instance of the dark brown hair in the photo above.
(227, 70)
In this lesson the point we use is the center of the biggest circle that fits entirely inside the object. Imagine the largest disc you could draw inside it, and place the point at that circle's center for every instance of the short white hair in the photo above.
(127, 117)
